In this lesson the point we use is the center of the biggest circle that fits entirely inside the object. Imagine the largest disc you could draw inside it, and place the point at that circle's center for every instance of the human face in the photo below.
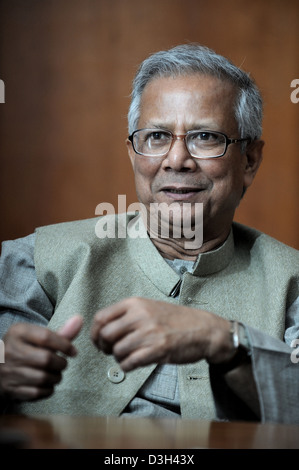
(182, 104)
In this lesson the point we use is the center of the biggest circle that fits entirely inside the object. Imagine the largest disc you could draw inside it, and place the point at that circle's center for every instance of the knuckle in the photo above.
(46, 357)
(98, 316)
(18, 329)
(133, 301)
(107, 332)
(44, 336)
(41, 378)
(36, 393)
(49, 380)
(117, 351)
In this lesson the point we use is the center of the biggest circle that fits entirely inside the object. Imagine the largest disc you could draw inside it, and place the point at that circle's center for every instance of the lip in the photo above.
(181, 193)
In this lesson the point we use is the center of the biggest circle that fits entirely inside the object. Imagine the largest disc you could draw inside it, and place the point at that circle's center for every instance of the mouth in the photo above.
(181, 193)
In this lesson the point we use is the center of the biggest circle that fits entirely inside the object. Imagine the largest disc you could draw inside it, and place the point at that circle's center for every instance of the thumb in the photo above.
(71, 328)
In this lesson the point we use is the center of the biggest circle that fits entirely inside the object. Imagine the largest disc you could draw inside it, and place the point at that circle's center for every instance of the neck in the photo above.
(173, 248)
(176, 240)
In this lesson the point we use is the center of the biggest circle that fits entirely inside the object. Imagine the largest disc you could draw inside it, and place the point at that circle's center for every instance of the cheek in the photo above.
(227, 178)
(146, 167)
(145, 172)
(217, 168)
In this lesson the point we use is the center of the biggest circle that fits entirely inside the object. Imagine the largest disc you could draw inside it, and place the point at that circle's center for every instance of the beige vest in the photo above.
(248, 278)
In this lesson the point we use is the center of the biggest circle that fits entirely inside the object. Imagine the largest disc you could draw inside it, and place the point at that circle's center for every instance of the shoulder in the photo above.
(86, 228)
(88, 237)
(263, 244)
(19, 250)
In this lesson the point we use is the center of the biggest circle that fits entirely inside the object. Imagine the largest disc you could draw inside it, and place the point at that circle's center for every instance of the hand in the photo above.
(33, 363)
(141, 331)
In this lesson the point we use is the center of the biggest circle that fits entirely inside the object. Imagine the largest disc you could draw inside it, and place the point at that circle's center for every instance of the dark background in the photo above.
(68, 66)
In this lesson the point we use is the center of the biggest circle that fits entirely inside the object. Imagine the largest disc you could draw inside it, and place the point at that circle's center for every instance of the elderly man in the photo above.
(165, 327)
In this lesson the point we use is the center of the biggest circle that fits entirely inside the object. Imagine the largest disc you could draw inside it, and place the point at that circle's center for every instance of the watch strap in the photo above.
(242, 348)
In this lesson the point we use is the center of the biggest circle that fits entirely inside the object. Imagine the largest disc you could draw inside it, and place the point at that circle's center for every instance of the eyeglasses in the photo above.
(200, 144)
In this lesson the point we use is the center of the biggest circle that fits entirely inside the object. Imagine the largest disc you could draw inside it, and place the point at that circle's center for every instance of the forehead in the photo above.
(189, 100)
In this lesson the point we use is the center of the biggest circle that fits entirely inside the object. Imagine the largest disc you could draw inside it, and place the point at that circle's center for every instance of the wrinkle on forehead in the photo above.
(187, 102)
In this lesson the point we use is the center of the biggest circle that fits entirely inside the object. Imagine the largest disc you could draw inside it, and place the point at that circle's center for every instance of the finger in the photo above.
(114, 331)
(34, 357)
(29, 383)
(139, 358)
(33, 377)
(71, 328)
(111, 312)
(118, 328)
(21, 334)
(127, 345)
(47, 339)
(148, 349)
(45, 359)
(105, 316)
(27, 393)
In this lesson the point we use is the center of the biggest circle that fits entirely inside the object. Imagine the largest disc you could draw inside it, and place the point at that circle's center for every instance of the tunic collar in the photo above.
(153, 265)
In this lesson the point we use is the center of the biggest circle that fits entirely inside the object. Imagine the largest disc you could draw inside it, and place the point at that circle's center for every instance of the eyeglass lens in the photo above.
(153, 142)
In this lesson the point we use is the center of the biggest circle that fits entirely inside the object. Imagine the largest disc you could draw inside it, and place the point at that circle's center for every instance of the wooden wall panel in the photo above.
(67, 67)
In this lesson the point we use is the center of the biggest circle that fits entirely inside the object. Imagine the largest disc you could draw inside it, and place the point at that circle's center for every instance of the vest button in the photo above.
(116, 374)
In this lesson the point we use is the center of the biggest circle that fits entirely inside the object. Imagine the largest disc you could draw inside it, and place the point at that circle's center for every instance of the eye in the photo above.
(206, 136)
(156, 136)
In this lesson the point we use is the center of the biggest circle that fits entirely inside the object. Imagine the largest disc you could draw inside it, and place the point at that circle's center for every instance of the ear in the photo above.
(253, 156)
(131, 151)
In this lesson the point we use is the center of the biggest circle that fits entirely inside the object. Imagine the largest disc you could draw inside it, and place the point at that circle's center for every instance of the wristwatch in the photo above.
(242, 348)
(239, 336)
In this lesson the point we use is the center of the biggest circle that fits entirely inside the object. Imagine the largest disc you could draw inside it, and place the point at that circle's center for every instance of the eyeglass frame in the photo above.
(175, 137)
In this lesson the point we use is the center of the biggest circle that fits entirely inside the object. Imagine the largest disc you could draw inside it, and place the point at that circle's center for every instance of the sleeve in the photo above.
(275, 366)
(276, 374)
(22, 299)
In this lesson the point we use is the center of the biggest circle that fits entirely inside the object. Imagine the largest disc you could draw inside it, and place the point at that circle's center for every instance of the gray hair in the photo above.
(188, 59)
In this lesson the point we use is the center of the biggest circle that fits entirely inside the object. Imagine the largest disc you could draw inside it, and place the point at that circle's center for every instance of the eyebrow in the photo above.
(203, 126)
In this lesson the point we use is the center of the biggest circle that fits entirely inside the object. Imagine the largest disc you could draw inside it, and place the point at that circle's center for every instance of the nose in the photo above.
(178, 157)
